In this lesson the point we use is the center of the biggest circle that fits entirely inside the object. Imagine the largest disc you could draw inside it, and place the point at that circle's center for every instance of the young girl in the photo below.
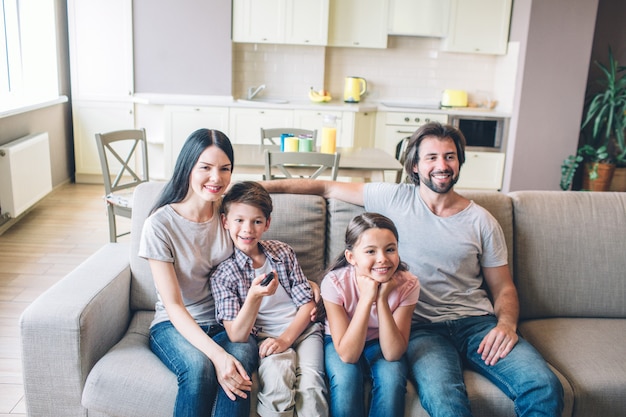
(369, 298)
(183, 240)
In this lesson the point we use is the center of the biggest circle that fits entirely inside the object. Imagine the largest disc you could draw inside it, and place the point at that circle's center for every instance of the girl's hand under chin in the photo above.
(368, 287)
(386, 288)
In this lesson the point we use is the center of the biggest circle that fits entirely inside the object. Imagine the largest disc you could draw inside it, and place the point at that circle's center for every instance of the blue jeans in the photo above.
(198, 388)
(347, 380)
(438, 352)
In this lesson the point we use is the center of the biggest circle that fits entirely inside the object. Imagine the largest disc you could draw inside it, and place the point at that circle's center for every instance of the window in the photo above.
(28, 51)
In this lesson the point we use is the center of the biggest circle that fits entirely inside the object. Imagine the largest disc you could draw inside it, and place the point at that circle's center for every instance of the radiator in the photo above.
(25, 176)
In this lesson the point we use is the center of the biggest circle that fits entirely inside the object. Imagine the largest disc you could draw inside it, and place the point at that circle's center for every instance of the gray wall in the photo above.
(556, 38)
(182, 47)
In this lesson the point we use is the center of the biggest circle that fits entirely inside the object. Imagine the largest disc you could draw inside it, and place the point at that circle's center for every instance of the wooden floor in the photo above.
(48, 242)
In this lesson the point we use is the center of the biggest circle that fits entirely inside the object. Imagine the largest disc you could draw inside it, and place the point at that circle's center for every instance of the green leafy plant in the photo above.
(606, 112)
(568, 169)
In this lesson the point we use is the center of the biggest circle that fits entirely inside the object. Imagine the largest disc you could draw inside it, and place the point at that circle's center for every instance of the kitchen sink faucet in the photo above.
(252, 92)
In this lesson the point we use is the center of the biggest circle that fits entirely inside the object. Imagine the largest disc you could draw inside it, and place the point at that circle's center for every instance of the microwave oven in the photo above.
(486, 133)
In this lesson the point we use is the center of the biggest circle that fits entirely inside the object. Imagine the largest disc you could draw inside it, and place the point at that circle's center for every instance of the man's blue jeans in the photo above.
(198, 388)
(438, 352)
(347, 380)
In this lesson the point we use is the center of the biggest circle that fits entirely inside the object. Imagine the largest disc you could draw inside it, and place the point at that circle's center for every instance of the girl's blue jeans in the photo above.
(438, 352)
(347, 380)
(198, 390)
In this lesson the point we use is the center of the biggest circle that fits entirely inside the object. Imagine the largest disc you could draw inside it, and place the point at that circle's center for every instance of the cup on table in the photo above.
(305, 143)
(292, 144)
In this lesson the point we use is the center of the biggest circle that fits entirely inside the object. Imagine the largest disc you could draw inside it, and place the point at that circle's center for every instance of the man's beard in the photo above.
(427, 181)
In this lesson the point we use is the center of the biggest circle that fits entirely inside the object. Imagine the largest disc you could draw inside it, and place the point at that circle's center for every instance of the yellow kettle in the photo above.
(354, 88)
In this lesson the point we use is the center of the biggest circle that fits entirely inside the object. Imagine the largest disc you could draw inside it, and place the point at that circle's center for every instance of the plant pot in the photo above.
(618, 182)
(603, 181)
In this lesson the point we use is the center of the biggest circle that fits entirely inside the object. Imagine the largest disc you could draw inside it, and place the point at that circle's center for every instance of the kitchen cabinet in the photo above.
(482, 170)
(281, 21)
(181, 121)
(358, 23)
(101, 69)
(478, 26)
(419, 17)
(245, 123)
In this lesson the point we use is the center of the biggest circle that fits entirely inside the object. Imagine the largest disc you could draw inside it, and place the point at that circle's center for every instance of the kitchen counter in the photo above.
(303, 104)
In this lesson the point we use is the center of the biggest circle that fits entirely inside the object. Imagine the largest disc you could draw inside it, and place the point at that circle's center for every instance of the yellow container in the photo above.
(329, 140)
(291, 144)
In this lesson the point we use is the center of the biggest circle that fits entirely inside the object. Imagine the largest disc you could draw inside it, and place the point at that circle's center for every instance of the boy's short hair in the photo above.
(250, 193)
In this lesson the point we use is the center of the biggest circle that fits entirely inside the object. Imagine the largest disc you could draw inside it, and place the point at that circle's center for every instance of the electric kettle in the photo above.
(354, 88)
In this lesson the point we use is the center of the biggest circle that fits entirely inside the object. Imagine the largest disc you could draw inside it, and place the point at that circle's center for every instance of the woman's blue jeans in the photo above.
(347, 380)
(438, 352)
(198, 389)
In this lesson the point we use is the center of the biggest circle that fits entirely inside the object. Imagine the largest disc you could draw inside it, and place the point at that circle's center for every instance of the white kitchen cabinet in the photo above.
(478, 26)
(307, 22)
(181, 121)
(419, 17)
(91, 117)
(482, 170)
(358, 23)
(101, 69)
(101, 49)
(301, 22)
(246, 123)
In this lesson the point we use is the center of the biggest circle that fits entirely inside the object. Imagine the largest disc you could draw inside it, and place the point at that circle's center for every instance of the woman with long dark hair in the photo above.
(183, 240)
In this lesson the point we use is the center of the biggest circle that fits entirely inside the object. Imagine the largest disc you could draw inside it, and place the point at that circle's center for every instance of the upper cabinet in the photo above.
(358, 23)
(299, 22)
(101, 49)
(478, 26)
(419, 17)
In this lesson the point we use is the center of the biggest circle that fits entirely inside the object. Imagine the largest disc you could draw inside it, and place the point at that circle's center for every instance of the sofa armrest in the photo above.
(66, 330)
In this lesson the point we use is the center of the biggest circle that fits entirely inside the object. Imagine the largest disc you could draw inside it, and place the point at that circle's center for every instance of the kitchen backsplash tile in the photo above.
(410, 68)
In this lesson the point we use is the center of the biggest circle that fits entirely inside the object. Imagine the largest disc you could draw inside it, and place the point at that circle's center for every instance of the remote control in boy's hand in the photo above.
(268, 278)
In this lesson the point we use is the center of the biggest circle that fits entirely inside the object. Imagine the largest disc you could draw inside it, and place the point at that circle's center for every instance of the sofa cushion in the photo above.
(569, 253)
(590, 355)
(143, 293)
(131, 378)
(300, 221)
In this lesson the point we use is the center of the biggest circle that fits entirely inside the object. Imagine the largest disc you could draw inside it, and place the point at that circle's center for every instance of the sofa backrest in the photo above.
(340, 214)
(570, 253)
(298, 220)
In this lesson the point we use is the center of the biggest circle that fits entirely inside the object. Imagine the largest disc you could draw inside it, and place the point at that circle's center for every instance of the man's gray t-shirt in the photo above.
(194, 249)
(446, 253)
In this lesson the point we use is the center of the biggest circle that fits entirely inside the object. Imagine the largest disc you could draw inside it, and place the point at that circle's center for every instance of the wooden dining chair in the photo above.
(124, 161)
(300, 164)
(272, 136)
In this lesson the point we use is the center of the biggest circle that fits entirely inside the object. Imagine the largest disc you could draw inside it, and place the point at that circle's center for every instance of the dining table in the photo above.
(366, 164)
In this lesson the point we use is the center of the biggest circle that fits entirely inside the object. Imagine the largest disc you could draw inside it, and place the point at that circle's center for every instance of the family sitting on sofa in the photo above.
(414, 239)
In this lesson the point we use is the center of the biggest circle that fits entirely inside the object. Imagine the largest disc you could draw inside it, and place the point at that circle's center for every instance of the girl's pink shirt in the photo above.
(340, 287)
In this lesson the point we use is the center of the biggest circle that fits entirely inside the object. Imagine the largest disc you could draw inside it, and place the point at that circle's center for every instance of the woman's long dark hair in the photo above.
(177, 187)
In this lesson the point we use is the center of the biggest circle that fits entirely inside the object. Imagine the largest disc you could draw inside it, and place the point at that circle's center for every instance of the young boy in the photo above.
(291, 370)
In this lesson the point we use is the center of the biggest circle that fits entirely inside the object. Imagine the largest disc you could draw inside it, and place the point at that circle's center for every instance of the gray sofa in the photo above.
(85, 341)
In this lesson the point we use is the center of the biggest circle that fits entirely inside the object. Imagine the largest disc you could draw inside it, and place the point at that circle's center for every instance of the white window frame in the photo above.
(29, 71)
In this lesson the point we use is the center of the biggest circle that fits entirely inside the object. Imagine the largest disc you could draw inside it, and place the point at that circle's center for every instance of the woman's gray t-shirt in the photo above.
(446, 253)
(194, 249)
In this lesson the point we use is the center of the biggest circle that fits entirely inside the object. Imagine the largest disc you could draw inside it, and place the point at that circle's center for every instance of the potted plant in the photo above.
(604, 125)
